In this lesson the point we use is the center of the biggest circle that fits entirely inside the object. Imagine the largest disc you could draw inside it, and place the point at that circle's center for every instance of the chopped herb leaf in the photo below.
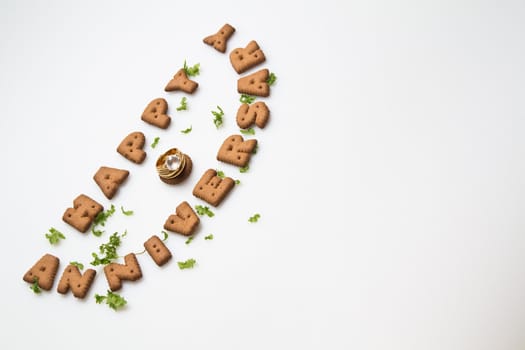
(237, 181)
(256, 148)
(126, 212)
(77, 264)
(218, 117)
(186, 131)
(192, 71)
(249, 131)
(54, 236)
(244, 169)
(113, 300)
(188, 264)
(220, 174)
(209, 237)
(247, 98)
(109, 250)
(271, 79)
(35, 287)
(101, 219)
(183, 104)
(155, 142)
(254, 218)
(202, 210)
(165, 235)
(190, 238)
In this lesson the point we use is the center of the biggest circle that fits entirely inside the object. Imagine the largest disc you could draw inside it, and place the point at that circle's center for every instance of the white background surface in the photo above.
(389, 179)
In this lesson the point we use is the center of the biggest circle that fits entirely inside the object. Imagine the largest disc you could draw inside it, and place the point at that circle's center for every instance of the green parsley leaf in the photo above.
(155, 142)
(220, 174)
(254, 218)
(165, 235)
(188, 264)
(218, 117)
(244, 169)
(183, 104)
(35, 287)
(186, 131)
(247, 99)
(190, 238)
(192, 71)
(271, 79)
(101, 219)
(237, 181)
(109, 250)
(113, 300)
(249, 131)
(126, 212)
(204, 210)
(208, 237)
(54, 236)
(77, 264)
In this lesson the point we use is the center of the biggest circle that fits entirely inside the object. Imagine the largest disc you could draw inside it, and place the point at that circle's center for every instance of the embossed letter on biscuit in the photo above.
(116, 273)
(184, 221)
(212, 188)
(83, 212)
(236, 151)
(73, 279)
(257, 113)
(219, 39)
(244, 59)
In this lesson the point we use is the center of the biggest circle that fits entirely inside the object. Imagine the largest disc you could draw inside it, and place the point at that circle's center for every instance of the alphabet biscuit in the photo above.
(219, 39)
(116, 273)
(244, 59)
(255, 84)
(83, 213)
(132, 147)
(110, 179)
(211, 188)
(257, 113)
(236, 151)
(155, 113)
(184, 221)
(73, 279)
(157, 250)
(43, 272)
(181, 82)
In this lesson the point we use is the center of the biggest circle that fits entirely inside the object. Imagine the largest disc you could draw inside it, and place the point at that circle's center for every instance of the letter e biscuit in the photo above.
(212, 188)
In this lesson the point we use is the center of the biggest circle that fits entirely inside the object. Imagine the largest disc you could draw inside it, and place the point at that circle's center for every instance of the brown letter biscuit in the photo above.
(257, 113)
(255, 84)
(83, 213)
(184, 221)
(244, 59)
(132, 147)
(116, 273)
(155, 113)
(219, 39)
(43, 271)
(73, 279)
(212, 188)
(236, 151)
(181, 82)
(110, 179)
(157, 250)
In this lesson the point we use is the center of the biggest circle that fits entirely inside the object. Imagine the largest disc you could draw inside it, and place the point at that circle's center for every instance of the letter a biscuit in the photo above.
(110, 179)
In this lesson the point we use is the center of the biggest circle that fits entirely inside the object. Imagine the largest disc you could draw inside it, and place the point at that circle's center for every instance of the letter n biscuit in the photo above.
(116, 273)
(212, 188)
(72, 279)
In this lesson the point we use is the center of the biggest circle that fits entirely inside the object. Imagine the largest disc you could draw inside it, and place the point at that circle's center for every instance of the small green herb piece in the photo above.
(192, 71)
(183, 104)
(237, 181)
(220, 174)
(109, 250)
(271, 79)
(249, 131)
(254, 218)
(165, 235)
(190, 238)
(188, 264)
(54, 236)
(101, 219)
(218, 117)
(186, 131)
(209, 237)
(126, 212)
(247, 98)
(256, 148)
(244, 169)
(113, 300)
(35, 287)
(77, 264)
(155, 142)
(204, 210)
